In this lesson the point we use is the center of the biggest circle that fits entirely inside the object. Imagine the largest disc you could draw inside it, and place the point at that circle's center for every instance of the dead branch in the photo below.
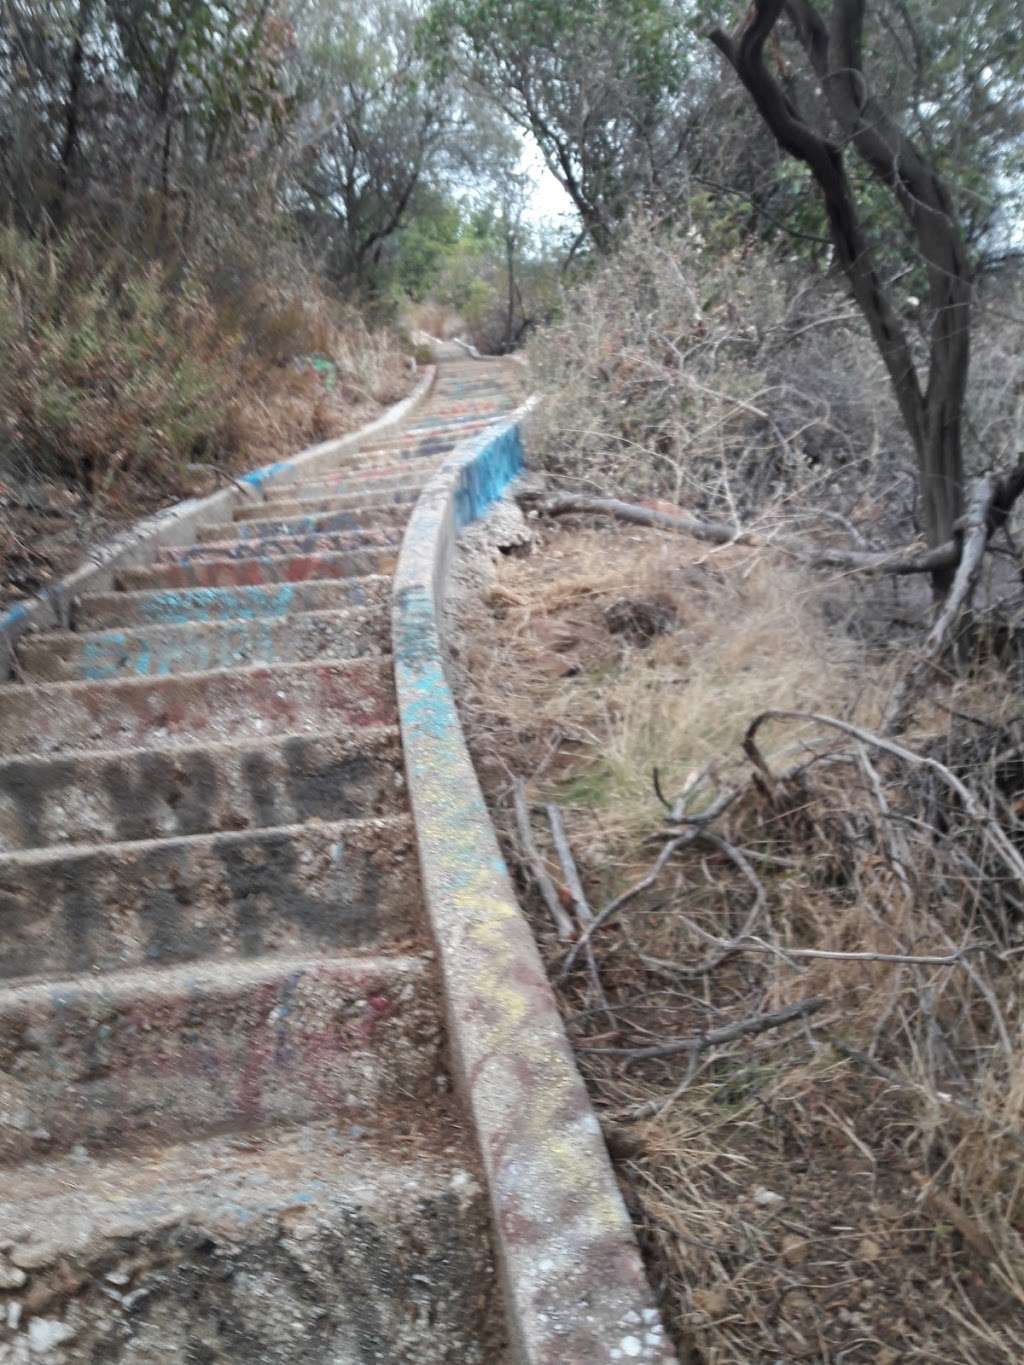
(563, 924)
(568, 862)
(976, 533)
(583, 911)
(898, 561)
(759, 1023)
(614, 906)
(1010, 854)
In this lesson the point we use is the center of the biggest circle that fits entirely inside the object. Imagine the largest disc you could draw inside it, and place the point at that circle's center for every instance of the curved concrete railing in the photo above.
(575, 1288)
(177, 525)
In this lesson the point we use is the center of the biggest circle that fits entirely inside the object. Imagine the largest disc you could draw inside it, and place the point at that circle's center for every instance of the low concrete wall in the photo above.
(178, 525)
(575, 1288)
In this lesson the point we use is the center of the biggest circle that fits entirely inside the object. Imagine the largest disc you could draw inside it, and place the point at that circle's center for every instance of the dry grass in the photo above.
(846, 1188)
(126, 386)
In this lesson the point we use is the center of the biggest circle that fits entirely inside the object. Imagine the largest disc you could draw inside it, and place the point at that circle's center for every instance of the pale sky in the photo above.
(549, 205)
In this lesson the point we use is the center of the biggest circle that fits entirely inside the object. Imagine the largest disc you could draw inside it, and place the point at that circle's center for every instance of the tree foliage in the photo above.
(597, 85)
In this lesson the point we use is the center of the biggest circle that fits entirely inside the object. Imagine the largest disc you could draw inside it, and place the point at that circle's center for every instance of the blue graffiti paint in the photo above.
(486, 473)
(216, 604)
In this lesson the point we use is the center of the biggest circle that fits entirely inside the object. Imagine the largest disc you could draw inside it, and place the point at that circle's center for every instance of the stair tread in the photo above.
(161, 605)
(214, 1178)
(323, 1243)
(238, 571)
(34, 857)
(185, 708)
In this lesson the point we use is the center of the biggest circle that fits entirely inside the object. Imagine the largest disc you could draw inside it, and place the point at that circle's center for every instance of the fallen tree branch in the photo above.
(583, 911)
(898, 561)
(563, 924)
(1002, 493)
(759, 1023)
(614, 906)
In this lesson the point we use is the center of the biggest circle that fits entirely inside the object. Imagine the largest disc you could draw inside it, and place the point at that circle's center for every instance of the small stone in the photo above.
(632, 1347)
(767, 1199)
(11, 1277)
(794, 1249)
(34, 1257)
(46, 1333)
(13, 1315)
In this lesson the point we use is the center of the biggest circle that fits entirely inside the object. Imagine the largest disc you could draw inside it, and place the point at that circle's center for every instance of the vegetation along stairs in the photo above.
(227, 1126)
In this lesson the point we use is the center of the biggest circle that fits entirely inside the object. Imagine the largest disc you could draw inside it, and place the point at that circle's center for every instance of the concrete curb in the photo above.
(177, 525)
(574, 1284)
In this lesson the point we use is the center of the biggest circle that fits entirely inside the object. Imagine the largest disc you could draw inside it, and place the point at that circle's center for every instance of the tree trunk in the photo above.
(932, 416)
(72, 109)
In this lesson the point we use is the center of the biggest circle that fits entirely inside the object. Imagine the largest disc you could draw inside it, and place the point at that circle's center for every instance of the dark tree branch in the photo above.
(933, 415)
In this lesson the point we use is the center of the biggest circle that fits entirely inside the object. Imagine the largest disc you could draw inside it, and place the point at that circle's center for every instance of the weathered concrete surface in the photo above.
(168, 607)
(340, 521)
(574, 1282)
(153, 793)
(329, 1245)
(404, 495)
(309, 542)
(208, 897)
(221, 1035)
(178, 525)
(201, 646)
(176, 1053)
(243, 702)
(263, 569)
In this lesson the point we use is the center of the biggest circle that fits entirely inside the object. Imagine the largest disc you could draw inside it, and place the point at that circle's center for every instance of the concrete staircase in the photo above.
(226, 1130)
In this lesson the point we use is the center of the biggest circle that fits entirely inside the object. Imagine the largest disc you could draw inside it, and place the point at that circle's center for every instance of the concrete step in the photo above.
(256, 544)
(380, 518)
(384, 479)
(293, 889)
(158, 607)
(153, 793)
(263, 569)
(240, 703)
(311, 504)
(150, 1055)
(198, 647)
(322, 1246)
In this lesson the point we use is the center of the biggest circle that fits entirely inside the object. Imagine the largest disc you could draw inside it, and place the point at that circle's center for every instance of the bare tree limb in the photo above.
(976, 533)
(760, 1023)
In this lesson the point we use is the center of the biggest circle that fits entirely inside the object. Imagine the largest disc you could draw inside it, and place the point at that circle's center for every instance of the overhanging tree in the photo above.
(817, 131)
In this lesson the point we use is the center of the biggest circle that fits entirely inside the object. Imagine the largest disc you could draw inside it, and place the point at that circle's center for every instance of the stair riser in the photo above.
(157, 794)
(160, 651)
(379, 481)
(336, 523)
(312, 542)
(262, 570)
(329, 888)
(255, 703)
(107, 611)
(83, 1066)
(311, 504)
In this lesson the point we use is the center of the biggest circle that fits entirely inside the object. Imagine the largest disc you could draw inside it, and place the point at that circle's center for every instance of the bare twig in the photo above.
(759, 1023)
(1010, 853)
(563, 924)
(614, 906)
(583, 911)
(568, 862)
